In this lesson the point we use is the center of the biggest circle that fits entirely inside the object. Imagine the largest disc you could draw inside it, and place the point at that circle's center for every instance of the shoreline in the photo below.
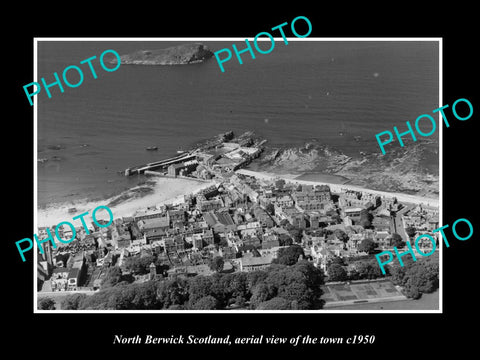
(339, 187)
(141, 197)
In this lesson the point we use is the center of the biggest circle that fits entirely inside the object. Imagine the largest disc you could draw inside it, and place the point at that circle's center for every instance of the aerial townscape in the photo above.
(245, 241)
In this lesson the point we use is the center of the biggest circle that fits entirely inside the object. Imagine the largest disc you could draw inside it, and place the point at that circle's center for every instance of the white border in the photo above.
(321, 311)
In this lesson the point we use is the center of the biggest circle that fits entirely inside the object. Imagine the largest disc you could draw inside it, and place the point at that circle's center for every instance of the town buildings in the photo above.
(242, 219)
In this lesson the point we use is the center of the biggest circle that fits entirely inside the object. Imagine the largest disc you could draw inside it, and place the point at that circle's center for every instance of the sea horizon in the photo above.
(90, 134)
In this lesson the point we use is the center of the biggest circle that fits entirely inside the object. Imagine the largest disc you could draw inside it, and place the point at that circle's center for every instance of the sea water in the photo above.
(328, 91)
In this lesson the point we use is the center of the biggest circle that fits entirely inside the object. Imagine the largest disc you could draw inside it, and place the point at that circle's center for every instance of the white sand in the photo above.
(165, 191)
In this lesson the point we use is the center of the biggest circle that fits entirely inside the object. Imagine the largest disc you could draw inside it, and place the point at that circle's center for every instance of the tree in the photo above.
(172, 292)
(216, 264)
(411, 231)
(277, 303)
(300, 283)
(235, 288)
(260, 293)
(341, 235)
(369, 269)
(270, 208)
(366, 219)
(199, 287)
(368, 246)
(112, 277)
(338, 260)
(289, 256)
(285, 240)
(336, 272)
(139, 265)
(46, 303)
(397, 241)
(72, 302)
(417, 277)
(296, 234)
(206, 303)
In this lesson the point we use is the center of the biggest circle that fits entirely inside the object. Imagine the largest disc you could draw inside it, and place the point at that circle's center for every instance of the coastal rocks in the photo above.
(307, 158)
(175, 55)
(412, 169)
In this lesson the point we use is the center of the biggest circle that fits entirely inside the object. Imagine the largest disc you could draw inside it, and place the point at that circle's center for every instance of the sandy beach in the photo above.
(164, 191)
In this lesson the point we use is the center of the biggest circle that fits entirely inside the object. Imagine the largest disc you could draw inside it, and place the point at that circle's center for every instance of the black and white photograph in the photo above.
(261, 187)
(229, 181)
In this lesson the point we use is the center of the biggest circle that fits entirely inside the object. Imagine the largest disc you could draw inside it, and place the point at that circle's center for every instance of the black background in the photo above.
(92, 334)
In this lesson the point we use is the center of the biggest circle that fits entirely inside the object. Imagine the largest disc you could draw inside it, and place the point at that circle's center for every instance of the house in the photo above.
(220, 221)
(209, 205)
(263, 217)
(383, 239)
(253, 228)
(179, 243)
(381, 223)
(250, 263)
(196, 240)
(228, 252)
(354, 213)
(270, 241)
(252, 241)
(60, 273)
(284, 201)
(120, 236)
(168, 244)
(75, 274)
(321, 256)
(309, 193)
(174, 216)
(207, 236)
(183, 168)
(199, 240)
(155, 223)
(425, 244)
(148, 214)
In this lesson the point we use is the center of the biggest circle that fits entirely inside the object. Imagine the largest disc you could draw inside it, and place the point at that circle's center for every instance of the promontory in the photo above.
(175, 55)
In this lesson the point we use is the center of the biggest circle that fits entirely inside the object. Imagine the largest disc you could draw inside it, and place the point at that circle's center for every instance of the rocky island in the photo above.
(174, 55)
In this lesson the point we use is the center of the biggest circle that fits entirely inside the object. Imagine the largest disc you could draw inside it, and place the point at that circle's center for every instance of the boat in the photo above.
(180, 151)
(151, 148)
(357, 138)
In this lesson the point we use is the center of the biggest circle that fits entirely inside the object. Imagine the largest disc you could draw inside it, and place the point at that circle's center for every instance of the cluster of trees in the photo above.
(367, 245)
(280, 286)
(216, 264)
(140, 265)
(289, 255)
(366, 220)
(397, 241)
(418, 277)
(295, 232)
(46, 303)
(370, 247)
(362, 269)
